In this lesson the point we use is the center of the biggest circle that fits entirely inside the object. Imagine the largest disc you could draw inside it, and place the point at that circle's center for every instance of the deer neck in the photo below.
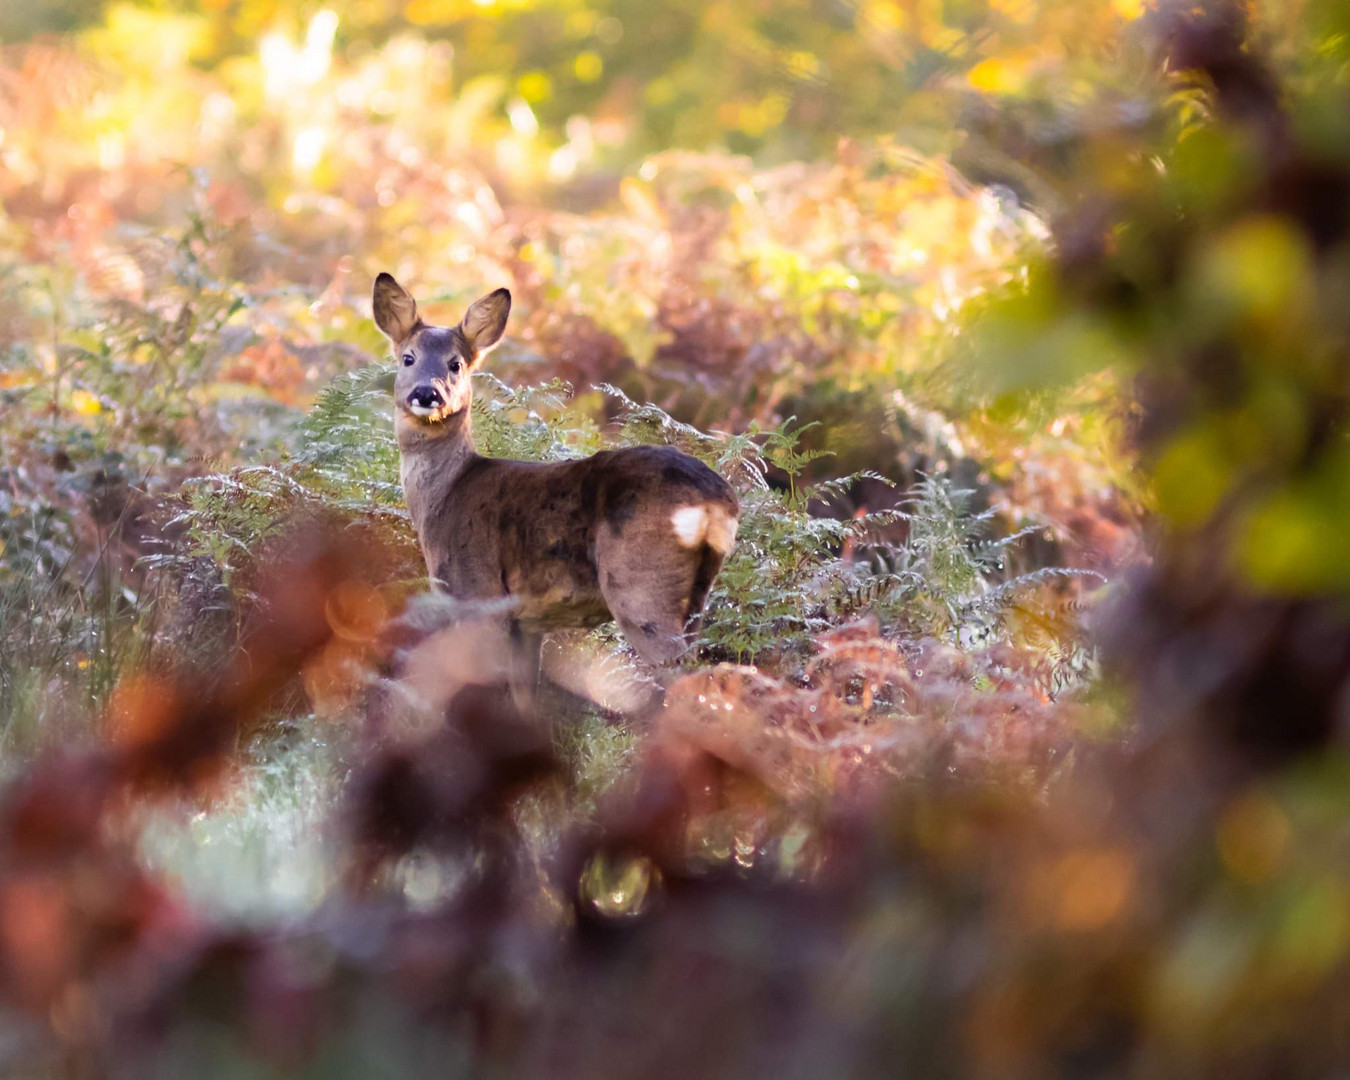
(432, 458)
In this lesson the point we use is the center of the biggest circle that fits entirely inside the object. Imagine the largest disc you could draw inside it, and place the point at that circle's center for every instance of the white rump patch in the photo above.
(691, 523)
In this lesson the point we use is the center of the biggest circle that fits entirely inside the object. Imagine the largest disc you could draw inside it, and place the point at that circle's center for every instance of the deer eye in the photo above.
(407, 359)
(454, 367)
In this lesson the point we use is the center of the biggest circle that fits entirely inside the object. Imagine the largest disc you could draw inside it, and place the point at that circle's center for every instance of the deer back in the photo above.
(560, 538)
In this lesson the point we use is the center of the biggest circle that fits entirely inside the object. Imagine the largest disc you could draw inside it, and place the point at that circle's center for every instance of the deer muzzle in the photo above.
(425, 400)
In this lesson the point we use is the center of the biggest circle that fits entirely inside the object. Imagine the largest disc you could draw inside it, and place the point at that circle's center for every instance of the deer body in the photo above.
(636, 535)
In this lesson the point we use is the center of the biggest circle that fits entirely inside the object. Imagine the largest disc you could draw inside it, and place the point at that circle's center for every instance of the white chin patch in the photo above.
(422, 410)
(690, 522)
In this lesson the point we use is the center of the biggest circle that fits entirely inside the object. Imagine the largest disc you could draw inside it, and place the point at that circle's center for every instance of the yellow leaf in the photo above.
(1017, 10)
(886, 15)
(1285, 542)
(1260, 269)
(430, 12)
(535, 86)
(1192, 476)
(588, 67)
(85, 403)
(997, 75)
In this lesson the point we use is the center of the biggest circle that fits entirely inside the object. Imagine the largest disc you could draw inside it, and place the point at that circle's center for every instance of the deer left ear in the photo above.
(485, 321)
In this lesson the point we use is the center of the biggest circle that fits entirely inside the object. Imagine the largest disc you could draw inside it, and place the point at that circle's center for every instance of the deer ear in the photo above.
(395, 310)
(485, 321)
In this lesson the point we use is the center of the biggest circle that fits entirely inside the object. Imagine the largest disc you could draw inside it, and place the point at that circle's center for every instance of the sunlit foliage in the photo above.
(1011, 743)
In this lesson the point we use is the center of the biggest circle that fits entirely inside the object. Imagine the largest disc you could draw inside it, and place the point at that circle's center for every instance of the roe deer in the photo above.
(636, 535)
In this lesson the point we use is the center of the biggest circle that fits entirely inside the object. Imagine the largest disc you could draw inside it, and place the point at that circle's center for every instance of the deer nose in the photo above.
(428, 397)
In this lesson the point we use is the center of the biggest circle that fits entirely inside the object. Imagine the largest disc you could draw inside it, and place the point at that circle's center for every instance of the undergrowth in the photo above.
(261, 847)
(925, 566)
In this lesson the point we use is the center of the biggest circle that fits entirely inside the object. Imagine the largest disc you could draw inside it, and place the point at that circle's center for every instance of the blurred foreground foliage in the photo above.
(1013, 741)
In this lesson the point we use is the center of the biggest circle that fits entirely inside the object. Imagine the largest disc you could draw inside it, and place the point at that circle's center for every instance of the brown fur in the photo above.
(572, 543)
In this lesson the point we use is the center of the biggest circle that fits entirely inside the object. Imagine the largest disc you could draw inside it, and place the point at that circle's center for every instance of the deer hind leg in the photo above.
(650, 589)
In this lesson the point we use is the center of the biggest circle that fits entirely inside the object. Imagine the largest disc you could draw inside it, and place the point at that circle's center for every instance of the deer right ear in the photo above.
(395, 310)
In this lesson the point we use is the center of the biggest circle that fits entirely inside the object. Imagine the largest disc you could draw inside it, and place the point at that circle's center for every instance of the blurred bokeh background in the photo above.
(1013, 744)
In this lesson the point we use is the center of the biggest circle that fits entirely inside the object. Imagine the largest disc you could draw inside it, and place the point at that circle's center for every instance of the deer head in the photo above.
(433, 382)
